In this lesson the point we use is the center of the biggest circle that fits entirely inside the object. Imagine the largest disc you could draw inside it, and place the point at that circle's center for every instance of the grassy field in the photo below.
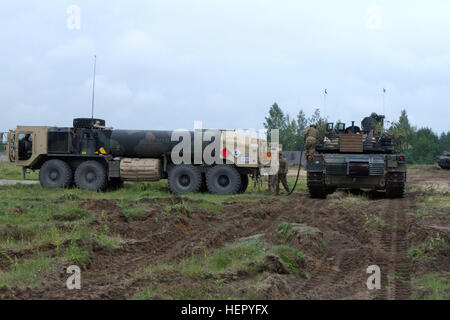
(42, 230)
(32, 218)
(12, 172)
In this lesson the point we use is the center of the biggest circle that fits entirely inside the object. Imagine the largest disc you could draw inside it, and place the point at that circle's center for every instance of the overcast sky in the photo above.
(164, 63)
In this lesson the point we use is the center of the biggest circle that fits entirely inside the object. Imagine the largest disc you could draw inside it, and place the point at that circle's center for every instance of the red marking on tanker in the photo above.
(225, 152)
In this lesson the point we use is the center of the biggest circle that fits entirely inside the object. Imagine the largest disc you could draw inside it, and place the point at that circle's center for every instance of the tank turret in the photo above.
(353, 157)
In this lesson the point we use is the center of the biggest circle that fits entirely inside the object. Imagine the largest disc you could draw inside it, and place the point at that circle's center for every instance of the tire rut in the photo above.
(395, 270)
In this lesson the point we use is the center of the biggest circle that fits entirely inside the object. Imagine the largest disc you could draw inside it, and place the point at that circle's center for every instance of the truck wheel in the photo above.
(55, 174)
(316, 185)
(395, 185)
(244, 183)
(91, 175)
(184, 179)
(223, 179)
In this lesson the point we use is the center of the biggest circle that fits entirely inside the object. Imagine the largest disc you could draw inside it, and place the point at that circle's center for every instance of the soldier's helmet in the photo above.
(373, 115)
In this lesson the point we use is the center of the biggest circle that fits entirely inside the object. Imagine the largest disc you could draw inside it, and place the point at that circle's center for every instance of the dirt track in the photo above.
(354, 231)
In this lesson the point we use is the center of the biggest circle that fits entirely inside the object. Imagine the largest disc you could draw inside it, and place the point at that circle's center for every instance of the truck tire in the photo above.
(184, 179)
(316, 185)
(395, 185)
(55, 174)
(91, 175)
(223, 179)
(86, 123)
(244, 183)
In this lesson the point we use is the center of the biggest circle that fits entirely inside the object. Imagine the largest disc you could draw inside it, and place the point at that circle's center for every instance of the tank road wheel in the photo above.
(244, 183)
(223, 179)
(55, 174)
(91, 175)
(184, 179)
(316, 185)
(395, 185)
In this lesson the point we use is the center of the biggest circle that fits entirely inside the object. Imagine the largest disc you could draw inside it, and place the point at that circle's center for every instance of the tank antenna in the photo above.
(325, 102)
(93, 87)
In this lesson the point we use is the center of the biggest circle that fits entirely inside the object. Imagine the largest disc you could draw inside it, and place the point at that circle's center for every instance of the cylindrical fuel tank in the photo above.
(141, 143)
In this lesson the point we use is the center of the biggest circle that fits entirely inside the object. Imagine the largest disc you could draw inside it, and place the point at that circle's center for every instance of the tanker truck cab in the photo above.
(63, 155)
(27, 145)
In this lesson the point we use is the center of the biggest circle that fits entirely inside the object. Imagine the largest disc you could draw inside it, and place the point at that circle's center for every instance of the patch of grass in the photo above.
(285, 231)
(210, 206)
(135, 214)
(418, 251)
(291, 257)
(76, 254)
(431, 287)
(147, 293)
(10, 171)
(26, 273)
(178, 207)
(110, 242)
(231, 257)
(373, 218)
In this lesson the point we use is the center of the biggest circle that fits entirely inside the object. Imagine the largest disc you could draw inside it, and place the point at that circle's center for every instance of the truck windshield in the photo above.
(25, 146)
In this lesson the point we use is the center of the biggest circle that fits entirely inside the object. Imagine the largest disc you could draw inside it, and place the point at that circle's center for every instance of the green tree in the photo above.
(275, 120)
(320, 122)
(444, 142)
(302, 123)
(424, 147)
(289, 135)
(402, 132)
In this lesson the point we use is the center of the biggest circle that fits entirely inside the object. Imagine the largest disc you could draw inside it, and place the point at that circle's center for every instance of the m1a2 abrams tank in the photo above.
(444, 160)
(354, 158)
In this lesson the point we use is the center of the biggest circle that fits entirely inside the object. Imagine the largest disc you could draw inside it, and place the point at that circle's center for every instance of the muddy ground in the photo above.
(273, 248)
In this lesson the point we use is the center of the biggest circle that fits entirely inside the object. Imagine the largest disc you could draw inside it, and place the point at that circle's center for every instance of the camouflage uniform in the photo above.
(281, 176)
(311, 139)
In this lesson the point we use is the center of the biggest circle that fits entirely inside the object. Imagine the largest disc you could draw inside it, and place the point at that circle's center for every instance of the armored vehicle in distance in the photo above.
(444, 160)
(353, 158)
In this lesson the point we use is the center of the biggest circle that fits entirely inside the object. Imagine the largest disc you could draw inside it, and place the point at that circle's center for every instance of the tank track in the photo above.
(316, 185)
(395, 185)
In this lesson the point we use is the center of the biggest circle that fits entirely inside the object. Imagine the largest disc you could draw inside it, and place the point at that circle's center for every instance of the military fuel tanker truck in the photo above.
(354, 158)
(93, 156)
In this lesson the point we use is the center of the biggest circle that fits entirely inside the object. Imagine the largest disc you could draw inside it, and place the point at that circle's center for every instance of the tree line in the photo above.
(420, 146)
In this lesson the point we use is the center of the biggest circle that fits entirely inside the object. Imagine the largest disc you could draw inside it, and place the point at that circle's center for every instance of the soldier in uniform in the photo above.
(280, 176)
(369, 123)
(311, 136)
(25, 147)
